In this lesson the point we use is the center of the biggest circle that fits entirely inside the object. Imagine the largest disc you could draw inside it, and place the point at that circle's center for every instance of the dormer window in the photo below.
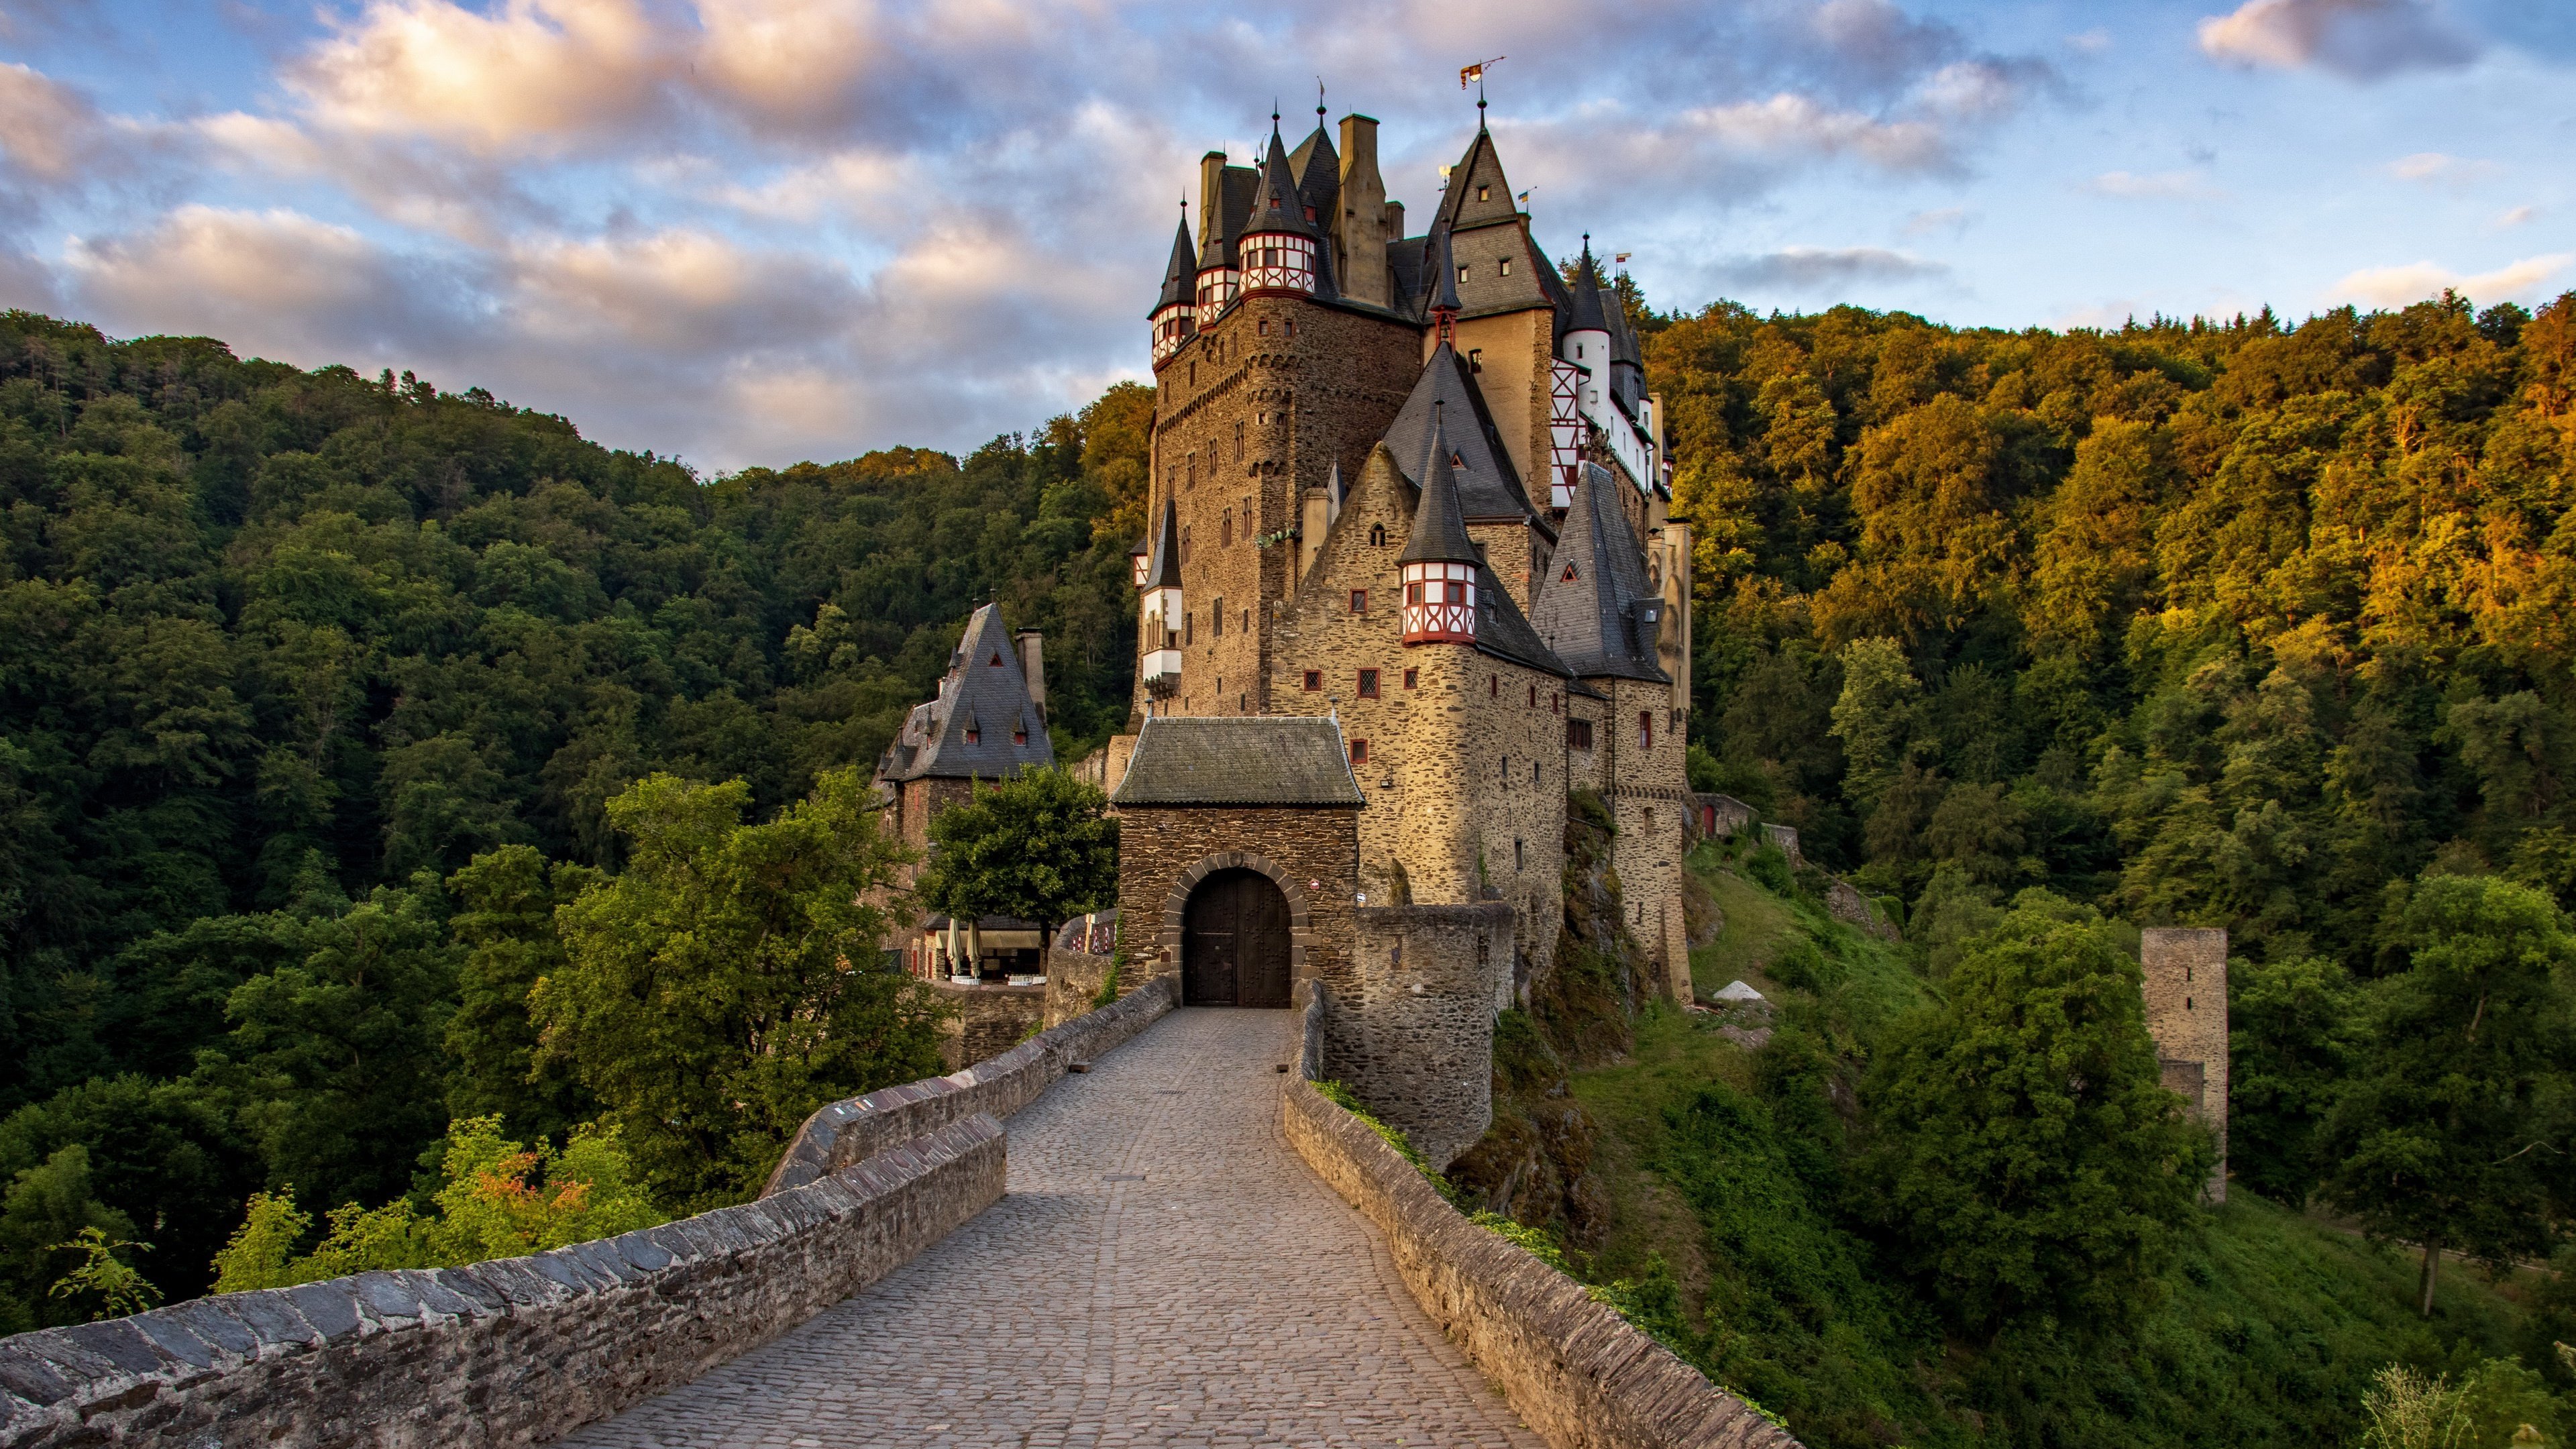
(1020, 736)
(996, 661)
(1507, 266)
(1484, 193)
(974, 736)
(1568, 576)
(1462, 271)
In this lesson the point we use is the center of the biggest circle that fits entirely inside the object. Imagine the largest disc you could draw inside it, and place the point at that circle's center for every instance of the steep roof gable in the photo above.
(1239, 760)
(1489, 488)
(1584, 607)
(1478, 194)
(968, 730)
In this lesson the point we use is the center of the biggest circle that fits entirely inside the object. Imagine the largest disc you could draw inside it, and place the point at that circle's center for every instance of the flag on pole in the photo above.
(1621, 259)
(1470, 74)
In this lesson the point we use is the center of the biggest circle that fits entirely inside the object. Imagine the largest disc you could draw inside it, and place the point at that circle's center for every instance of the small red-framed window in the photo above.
(1359, 601)
(1020, 736)
(1578, 734)
(974, 735)
(1645, 729)
(1412, 677)
(1359, 752)
(1368, 684)
(1314, 680)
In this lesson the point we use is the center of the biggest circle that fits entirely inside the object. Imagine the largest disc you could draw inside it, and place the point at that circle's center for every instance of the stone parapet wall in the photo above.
(990, 1020)
(1413, 1031)
(1573, 1369)
(1073, 979)
(510, 1352)
(857, 1128)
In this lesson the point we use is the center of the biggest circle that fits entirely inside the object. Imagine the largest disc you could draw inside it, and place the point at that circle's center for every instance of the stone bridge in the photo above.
(1181, 1242)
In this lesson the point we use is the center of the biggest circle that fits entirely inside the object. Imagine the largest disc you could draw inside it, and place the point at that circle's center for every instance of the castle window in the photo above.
(1377, 534)
(1519, 862)
(1020, 736)
(996, 661)
(1314, 680)
(973, 735)
(1194, 372)
(1645, 730)
(1193, 474)
(1268, 259)
(1189, 628)
(1506, 772)
(1484, 193)
(1533, 772)
(1225, 530)
(1359, 601)
(1507, 266)
(1238, 440)
(1457, 459)
(1462, 271)
(1578, 734)
(1475, 359)
(1411, 676)
(1185, 543)
(1359, 752)
(1368, 684)
(1310, 213)
(1216, 620)
(1533, 696)
(1568, 575)
(1493, 686)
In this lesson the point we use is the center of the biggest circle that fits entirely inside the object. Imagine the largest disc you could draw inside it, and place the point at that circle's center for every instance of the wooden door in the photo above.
(1234, 942)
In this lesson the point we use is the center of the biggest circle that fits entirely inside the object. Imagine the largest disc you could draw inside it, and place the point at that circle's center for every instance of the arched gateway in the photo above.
(1234, 942)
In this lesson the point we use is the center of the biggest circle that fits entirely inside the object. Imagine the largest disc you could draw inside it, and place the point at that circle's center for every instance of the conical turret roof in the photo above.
(1489, 488)
(1278, 204)
(1181, 274)
(1439, 524)
(1163, 561)
(1444, 286)
(1588, 314)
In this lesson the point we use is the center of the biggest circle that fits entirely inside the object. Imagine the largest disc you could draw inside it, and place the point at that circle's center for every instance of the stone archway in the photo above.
(1175, 934)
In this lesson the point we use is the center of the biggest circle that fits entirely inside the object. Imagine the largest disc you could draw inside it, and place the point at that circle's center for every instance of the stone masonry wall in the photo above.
(1163, 851)
(1073, 979)
(2186, 996)
(855, 1129)
(990, 1020)
(1250, 413)
(1466, 773)
(511, 1352)
(1415, 1035)
(1647, 789)
(1573, 1369)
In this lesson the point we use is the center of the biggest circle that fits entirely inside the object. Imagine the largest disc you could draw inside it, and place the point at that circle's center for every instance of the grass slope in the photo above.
(1721, 1171)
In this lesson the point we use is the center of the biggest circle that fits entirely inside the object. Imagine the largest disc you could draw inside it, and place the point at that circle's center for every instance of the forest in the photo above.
(336, 713)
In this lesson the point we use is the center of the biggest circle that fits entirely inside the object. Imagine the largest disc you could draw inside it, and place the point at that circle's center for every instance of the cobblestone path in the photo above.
(1164, 1270)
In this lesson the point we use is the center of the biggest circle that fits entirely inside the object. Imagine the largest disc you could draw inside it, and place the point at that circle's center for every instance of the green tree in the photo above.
(507, 900)
(100, 1282)
(2293, 1036)
(1875, 716)
(47, 1206)
(2024, 1156)
(729, 981)
(1039, 846)
(2451, 1132)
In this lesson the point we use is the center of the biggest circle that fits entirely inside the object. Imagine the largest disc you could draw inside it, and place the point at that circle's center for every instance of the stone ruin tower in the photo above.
(2186, 989)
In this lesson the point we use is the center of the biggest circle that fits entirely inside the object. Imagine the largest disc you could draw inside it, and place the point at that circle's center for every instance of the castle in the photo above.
(1410, 579)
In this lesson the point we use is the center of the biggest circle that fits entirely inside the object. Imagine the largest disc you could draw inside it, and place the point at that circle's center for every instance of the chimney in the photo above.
(1395, 221)
(1361, 227)
(1033, 664)
(1211, 195)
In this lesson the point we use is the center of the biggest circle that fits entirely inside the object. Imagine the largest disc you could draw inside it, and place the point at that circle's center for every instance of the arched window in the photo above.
(1377, 535)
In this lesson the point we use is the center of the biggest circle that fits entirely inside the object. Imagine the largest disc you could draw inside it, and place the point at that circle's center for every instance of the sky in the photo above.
(757, 231)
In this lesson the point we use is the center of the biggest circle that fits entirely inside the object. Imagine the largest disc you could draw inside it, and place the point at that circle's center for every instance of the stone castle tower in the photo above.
(1411, 486)
(2186, 991)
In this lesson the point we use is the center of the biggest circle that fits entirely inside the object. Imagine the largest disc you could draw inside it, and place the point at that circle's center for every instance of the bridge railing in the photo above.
(1575, 1371)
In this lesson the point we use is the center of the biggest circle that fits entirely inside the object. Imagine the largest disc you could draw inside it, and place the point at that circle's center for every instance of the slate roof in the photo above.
(1235, 185)
(1278, 204)
(1180, 275)
(1163, 559)
(1318, 168)
(984, 690)
(1489, 488)
(1502, 630)
(1587, 620)
(1479, 167)
(1587, 314)
(1439, 532)
(1239, 760)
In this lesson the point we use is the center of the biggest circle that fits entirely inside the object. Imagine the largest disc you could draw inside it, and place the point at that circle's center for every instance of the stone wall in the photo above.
(2186, 994)
(990, 1020)
(1163, 851)
(1413, 1033)
(1074, 978)
(1573, 1369)
(857, 1128)
(511, 1352)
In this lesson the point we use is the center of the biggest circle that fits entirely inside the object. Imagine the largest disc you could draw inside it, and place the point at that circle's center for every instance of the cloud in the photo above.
(681, 292)
(2399, 286)
(269, 281)
(536, 75)
(2516, 217)
(1813, 269)
(2356, 39)
(2435, 169)
(47, 130)
(2095, 41)
(1952, 219)
(2156, 186)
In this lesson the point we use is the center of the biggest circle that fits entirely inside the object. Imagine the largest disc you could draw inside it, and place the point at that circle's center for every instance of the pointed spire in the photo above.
(1182, 271)
(1439, 523)
(1278, 204)
(1163, 564)
(1444, 290)
(1589, 315)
